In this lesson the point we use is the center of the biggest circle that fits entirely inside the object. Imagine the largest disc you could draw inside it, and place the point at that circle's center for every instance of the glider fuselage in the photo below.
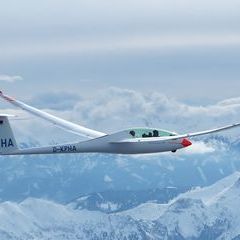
(121, 143)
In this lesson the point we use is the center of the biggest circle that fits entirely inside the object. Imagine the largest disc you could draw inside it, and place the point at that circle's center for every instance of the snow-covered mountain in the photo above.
(115, 201)
(202, 213)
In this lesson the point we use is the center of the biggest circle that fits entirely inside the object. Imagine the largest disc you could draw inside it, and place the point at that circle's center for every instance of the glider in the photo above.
(129, 141)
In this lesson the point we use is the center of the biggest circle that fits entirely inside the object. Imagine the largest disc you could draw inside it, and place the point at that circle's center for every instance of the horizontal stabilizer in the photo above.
(7, 115)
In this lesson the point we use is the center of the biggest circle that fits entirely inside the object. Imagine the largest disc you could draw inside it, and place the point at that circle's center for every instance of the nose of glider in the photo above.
(185, 142)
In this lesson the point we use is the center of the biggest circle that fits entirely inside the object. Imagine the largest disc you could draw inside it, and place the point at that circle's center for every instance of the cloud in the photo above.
(55, 100)
(198, 147)
(230, 102)
(114, 109)
(107, 179)
(9, 78)
(127, 42)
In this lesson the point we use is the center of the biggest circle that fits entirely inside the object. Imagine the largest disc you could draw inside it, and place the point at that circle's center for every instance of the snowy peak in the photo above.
(207, 194)
(186, 216)
(116, 201)
(42, 219)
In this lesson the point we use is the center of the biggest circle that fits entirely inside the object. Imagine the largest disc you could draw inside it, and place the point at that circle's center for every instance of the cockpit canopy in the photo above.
(149, 132)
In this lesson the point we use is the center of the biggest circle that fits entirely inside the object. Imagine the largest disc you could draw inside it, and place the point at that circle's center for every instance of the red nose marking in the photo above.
(185, 142)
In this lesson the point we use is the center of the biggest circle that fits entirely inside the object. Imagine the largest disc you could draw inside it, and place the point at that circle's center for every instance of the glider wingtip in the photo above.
(1, 93)
(10, 99)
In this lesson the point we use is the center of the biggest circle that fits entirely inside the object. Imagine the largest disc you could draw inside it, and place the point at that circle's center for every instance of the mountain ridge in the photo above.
(184, 217)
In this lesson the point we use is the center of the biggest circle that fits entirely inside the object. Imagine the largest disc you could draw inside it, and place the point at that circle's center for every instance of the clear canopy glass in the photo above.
(149, 132)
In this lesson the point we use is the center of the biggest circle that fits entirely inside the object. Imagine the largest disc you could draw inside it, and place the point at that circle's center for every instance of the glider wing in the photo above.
(69, 126)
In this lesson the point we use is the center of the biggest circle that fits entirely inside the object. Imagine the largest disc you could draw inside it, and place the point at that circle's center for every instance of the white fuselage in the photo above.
(106, 144)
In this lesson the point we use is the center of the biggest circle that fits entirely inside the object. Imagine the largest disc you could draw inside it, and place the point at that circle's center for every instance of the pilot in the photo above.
(132, 133)
(155, 133)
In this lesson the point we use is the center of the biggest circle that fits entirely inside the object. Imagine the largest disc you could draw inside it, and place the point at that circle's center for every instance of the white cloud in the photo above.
(55, 100)
(107, 179)
(114, 109)
(10, 78)
(230, 102)
(198, 147)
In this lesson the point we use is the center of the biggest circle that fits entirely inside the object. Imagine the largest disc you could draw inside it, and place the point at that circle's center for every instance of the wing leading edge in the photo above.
(69, 126)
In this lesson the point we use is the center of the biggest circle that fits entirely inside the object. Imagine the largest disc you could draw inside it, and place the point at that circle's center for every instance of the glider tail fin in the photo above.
(8, 143)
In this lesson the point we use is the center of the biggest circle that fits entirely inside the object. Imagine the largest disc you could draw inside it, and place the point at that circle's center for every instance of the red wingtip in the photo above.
(10, 99)
(185, 142)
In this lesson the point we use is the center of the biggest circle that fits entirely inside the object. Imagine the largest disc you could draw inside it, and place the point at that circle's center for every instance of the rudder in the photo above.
(8, 143)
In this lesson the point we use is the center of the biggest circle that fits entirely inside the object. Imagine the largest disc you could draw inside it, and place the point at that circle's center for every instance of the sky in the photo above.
(114, 64)
(188, 50)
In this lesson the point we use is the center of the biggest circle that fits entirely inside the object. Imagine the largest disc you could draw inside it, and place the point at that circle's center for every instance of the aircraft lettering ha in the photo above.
(6, 142)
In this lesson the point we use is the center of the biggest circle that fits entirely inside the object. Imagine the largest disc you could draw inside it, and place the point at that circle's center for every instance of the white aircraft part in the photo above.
(187, 135)
(102, 145)
(7, 115)
(195, 134)
(8, 143)
(72, 127)
(212, 130)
